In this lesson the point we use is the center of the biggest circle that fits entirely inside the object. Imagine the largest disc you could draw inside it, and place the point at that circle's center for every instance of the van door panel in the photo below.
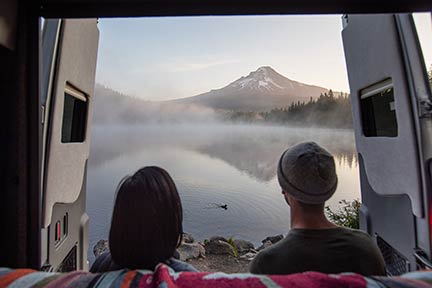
(393, 227)
(69, 88)
(373, 55)
(420, 90)
(392, 120)
(76, 68)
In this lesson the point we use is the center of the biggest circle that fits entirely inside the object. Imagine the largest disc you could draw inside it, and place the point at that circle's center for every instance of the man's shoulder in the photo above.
(356, 234)
(367, 251)
(280, 247)
(266, 260)
(260, 263)
(270, 252)
(362, 242)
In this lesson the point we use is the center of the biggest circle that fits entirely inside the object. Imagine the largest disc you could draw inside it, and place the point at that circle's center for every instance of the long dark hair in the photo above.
(146, 225)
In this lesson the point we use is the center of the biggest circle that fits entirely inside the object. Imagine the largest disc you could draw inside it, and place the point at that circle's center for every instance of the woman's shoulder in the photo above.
(180, 266)
(104, 263)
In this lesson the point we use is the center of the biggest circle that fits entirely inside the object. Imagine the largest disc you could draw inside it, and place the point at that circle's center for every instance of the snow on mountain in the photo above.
(259, 80)
(262, 89)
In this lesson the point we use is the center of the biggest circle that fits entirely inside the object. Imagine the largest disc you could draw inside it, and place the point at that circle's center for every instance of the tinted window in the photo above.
(378, 111)
(74, 119)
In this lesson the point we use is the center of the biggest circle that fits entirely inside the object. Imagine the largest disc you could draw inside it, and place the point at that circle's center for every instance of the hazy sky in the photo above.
(165, 58)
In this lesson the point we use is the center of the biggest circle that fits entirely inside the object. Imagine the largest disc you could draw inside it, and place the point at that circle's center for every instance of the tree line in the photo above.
(328, 110)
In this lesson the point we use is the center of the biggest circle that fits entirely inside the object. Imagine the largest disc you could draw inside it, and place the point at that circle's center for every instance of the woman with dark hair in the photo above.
(146, 225)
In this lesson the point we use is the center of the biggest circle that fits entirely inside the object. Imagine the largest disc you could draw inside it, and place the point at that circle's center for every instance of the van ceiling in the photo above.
(130, 8)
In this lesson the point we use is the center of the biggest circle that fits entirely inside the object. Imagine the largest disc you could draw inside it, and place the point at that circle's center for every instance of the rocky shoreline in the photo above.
(215, 254)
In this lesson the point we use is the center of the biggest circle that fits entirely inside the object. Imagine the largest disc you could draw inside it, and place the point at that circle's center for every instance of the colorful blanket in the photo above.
(164, 277)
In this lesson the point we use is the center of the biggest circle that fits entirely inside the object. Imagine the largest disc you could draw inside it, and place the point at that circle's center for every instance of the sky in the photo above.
(175, 57)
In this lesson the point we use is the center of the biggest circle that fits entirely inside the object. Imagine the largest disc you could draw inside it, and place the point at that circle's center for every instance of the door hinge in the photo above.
(425, 108)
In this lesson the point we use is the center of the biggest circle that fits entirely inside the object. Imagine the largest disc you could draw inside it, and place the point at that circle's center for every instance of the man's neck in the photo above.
(314, 221)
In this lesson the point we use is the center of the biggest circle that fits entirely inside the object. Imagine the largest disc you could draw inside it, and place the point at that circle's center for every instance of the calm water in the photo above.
(211, 164)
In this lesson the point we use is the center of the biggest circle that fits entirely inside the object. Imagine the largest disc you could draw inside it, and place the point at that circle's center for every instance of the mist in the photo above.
(124, 124)
(212, 161)
(253, 149)
(114, 108)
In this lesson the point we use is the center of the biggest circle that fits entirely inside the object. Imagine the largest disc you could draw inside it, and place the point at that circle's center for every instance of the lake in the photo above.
(212, 164)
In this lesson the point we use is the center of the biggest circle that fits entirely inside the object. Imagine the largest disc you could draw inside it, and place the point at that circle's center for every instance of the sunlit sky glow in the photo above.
(176, 57)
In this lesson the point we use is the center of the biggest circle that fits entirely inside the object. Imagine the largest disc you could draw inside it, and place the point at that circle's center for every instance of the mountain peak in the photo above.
(260, 90)
(266, 69)
(264, 78)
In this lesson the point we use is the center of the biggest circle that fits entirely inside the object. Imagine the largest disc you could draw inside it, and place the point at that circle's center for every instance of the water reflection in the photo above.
(233, 165)
(253, 150)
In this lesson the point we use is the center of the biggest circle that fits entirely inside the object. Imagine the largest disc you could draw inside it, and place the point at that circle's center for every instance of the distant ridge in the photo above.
(261, 90)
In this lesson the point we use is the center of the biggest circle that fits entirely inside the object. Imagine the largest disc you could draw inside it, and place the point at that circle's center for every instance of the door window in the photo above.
(74, 115)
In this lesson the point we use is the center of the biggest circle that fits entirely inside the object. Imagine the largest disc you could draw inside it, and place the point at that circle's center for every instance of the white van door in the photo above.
(391, 104)
(69, 51)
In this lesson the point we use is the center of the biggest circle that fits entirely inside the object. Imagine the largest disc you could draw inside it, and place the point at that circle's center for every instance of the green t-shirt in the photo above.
(333, 250)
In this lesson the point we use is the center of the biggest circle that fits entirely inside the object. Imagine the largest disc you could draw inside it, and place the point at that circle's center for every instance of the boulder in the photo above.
(243, 246)
(265, 245)
(273, 239)
(187, 238)
(215, 238)
(219, 247)
(188, 251)
(248, 256)
(100, 247)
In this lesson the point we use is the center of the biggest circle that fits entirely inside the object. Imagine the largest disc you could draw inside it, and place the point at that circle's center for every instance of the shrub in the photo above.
(233, 247)
(347, 215)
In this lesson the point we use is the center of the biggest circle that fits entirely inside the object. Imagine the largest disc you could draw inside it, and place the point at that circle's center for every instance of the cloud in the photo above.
(185, 66)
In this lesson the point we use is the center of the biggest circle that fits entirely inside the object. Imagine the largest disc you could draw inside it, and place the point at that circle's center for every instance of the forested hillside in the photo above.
(326, 111)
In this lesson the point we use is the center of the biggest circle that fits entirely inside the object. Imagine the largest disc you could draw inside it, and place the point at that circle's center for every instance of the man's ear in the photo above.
(286, 196)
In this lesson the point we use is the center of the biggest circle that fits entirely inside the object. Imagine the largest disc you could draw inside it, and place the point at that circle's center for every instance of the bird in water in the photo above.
(217, 205)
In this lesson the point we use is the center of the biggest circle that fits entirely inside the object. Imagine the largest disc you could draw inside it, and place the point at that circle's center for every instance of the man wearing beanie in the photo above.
(307, 175)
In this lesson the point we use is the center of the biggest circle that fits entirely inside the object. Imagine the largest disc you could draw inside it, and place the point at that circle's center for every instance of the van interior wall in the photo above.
(8, 195)
(19, 148)
(20, 118)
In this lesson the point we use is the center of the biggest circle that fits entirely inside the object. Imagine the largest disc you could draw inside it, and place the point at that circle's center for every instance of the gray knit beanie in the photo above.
(307, 172)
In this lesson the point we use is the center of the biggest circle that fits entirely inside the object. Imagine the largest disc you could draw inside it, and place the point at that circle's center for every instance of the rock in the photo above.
(273, 239)
(187, 238)
(219, 247)
(100, 247)
(243, 246)
(188, 251)
(248, 256)
(265, 245)
(218, 238)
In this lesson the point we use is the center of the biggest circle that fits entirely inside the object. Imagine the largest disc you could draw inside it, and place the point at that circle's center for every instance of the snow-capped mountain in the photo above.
(262, 89)
(265, 79)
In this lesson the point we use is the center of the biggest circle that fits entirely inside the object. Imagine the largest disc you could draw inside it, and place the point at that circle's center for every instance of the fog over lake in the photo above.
(212, 164)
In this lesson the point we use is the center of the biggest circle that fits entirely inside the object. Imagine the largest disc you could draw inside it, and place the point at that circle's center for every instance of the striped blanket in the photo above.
(163, 276)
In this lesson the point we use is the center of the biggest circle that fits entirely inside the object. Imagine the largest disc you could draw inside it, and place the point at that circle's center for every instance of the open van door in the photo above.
(69, 51)
(392, 110)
